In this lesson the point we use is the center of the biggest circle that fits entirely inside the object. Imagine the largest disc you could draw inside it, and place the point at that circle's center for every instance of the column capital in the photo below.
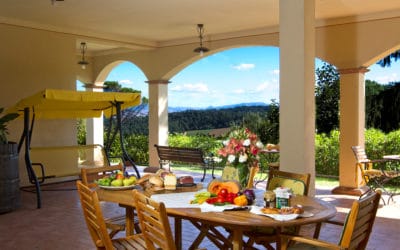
(361, 70)
(161, 81)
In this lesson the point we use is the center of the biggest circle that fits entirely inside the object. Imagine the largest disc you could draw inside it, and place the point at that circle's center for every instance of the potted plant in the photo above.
(9, 174)
(3, 125)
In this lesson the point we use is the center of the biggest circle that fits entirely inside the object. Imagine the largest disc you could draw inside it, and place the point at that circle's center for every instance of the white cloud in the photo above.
(275, 72)
(387, 78)
(244, 66)
(126, 82)
(238, 91)
(262, 86)
(176, 88)
(189, 87)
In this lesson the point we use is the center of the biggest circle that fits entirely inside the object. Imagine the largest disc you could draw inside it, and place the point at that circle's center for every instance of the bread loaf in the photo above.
(170, 181)
(156, 181)
(270, 210)
(185, 180)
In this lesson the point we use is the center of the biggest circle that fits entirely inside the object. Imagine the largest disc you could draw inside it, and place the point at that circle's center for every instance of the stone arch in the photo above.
(94, 128)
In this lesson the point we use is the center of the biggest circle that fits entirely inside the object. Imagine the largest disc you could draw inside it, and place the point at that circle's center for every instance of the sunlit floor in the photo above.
(59, 224)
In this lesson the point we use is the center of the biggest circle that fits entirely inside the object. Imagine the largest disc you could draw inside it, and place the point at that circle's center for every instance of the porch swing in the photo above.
(67, 104)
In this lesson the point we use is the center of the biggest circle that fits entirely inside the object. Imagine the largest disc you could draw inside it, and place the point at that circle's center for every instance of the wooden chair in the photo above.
(374, 178)
(299, 183)
(154, 222)
(356, 231)
(97, 226)
(88, 175)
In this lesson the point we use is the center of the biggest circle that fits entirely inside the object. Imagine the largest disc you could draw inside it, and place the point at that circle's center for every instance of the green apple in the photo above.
(132, 180)
(117, 183)
(126, 182)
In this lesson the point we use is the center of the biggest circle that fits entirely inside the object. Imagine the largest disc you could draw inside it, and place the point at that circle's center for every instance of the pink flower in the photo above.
(241, 148)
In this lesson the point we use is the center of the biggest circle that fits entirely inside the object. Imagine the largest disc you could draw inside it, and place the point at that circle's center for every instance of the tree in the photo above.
(373, 104)
(269, 130)
(327, 92)
(387, 61)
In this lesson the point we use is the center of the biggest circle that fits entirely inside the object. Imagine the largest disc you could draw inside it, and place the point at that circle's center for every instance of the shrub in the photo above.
(327, 153)
(377, 144)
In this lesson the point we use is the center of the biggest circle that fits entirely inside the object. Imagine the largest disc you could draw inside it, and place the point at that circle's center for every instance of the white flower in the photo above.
(226, 142)
(243, 158)
(246, 143)
(259, 144)
(231, 158)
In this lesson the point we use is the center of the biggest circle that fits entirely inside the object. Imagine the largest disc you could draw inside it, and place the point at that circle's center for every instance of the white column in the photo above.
(297, 81)
(352, 125)
(158, 117)
(94, 126)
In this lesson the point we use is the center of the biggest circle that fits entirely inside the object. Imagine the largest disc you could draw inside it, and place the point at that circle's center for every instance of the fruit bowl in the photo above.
(120, 187)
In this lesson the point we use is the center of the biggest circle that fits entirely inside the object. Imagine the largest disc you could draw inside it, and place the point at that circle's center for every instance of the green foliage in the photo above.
(375, 143)
(327, 94)
(208, 144)
(81, 128)
(392, 145)
(137, 147)
(180, 122)
(386, 61)
(268, 130)
(114, 86)
(382, 106)
(4, 120)
(327, 153)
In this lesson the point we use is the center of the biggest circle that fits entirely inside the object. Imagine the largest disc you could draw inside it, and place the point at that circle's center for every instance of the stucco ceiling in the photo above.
(146, 24)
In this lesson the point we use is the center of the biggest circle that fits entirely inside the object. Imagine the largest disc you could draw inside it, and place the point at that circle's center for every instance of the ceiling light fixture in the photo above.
(201, 49)
(83, 62)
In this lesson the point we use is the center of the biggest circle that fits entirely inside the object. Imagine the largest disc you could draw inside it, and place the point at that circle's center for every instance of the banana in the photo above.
(201, 197)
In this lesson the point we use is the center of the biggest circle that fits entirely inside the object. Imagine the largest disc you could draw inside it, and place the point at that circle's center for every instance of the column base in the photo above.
(350, 190)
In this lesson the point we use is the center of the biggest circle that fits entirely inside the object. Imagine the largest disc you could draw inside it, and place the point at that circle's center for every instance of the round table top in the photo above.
(321, 211)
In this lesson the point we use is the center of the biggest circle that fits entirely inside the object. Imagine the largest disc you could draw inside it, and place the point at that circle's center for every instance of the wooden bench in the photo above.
(196, 156)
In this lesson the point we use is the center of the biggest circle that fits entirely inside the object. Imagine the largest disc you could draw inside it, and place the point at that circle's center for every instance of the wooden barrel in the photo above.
(9, 178)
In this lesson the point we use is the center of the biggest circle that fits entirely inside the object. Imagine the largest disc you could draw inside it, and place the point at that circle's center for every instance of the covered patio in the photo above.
(41, 48)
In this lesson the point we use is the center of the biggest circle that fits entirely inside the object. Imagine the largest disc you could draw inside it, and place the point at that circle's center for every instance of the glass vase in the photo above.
(243, 174)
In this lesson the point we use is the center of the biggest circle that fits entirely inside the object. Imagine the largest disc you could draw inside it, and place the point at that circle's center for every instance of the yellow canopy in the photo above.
(68, 104)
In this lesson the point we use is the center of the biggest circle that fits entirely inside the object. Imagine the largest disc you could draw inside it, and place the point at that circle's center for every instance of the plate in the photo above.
(119, 188)
(281, 217)
(306, 214)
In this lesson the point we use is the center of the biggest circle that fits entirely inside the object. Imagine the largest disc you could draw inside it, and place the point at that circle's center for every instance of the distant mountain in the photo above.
(247, 104)
(145, 110)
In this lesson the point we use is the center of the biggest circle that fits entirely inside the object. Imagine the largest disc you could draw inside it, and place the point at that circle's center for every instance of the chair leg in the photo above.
(317, 230)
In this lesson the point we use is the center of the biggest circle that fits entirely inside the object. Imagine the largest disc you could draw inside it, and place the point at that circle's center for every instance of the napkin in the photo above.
(205, 207)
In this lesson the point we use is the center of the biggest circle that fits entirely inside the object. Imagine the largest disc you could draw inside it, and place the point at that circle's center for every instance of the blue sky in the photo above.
(241, 75)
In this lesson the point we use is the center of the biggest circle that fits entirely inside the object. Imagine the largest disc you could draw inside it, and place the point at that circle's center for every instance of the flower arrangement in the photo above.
(241, 151)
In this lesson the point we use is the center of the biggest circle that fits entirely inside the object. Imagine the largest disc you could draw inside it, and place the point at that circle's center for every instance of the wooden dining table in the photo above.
(236, 222)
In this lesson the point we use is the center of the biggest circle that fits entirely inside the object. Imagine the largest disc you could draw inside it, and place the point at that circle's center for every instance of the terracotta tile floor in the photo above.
(59, 224)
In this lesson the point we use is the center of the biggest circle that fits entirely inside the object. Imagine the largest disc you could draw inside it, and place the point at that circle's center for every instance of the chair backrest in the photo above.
(359, 222)
(94, 216)
(299, 183)
(154, 222)
(360, 154)
(90, 174)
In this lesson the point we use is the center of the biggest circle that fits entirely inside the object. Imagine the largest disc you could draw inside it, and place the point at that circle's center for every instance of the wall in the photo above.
(32, 60)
